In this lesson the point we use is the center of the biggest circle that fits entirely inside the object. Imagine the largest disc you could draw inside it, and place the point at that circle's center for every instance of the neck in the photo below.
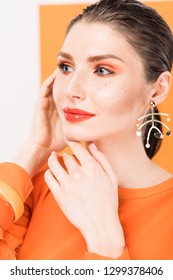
(130, 163)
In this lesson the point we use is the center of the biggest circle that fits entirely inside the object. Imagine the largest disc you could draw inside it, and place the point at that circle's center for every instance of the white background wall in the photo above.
(19, 69)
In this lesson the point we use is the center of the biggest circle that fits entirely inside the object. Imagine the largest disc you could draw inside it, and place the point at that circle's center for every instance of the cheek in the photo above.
(113, 98)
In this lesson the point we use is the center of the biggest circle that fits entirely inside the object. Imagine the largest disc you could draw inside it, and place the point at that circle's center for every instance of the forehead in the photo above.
(97, 39)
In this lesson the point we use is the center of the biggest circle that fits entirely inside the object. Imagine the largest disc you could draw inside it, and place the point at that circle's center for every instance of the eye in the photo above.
(101, 71)
(65, 68)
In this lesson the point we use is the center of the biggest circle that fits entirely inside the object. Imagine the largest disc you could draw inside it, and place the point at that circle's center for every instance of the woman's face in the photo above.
(100, 89)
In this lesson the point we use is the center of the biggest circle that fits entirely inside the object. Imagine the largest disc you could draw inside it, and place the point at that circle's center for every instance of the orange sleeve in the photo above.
(17, 178)
(93, 256)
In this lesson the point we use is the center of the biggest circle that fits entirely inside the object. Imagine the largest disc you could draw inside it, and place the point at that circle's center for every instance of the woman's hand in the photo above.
(87, 194)
(46, 133)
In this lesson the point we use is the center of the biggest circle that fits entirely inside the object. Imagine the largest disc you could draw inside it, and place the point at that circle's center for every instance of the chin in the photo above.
(77, 136)
(80, 133)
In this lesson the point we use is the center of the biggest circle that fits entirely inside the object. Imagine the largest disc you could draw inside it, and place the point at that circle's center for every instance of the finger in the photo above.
(47, 84)
(53, 185)
(102, 160)
(57, 170)
(79, 151)
(70, 163)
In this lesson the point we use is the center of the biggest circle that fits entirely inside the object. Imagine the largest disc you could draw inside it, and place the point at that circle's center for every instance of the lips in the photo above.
(76, 115)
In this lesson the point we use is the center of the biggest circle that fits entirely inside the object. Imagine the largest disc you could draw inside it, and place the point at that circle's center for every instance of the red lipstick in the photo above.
(76, 115)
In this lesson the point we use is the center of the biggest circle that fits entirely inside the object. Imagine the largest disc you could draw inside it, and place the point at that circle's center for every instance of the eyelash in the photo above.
(63, 65)
(101, 67)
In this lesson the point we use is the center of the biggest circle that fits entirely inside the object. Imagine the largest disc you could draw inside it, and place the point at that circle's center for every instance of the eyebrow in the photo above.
(92, 58)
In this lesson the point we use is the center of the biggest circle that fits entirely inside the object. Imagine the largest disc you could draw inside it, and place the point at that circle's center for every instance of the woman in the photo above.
(108, 200)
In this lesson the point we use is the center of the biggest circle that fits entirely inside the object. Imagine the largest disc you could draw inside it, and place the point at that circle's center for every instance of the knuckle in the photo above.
(51, 160)
(91, 164)
(76, 176)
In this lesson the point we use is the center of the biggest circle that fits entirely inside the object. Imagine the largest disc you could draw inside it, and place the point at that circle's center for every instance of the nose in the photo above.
(75, 86)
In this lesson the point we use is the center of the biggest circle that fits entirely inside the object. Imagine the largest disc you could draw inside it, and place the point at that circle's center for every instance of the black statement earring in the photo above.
(158, 134)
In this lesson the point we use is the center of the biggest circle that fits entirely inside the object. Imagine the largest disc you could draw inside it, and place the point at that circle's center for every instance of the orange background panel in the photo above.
(53, 22)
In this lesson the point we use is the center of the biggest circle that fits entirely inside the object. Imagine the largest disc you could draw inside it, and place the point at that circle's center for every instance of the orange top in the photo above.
(43, 232)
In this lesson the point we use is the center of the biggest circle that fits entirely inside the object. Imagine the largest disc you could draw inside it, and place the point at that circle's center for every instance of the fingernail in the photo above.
(94, 146)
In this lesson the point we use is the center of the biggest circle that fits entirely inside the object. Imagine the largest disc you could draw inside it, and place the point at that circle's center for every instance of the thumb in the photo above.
(102, 160)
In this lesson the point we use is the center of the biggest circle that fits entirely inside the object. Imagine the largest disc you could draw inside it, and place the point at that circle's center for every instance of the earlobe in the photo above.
(161, 87)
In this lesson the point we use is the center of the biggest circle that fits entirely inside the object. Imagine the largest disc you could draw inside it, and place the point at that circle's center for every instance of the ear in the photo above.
(161, 87)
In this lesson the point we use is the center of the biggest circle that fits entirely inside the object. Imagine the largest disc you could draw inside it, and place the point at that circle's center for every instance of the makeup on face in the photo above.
(99, 90)
(76, 115)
